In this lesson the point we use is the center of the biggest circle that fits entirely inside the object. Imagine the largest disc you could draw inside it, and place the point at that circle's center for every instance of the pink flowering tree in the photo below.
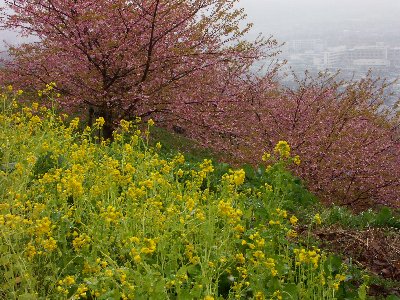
(349, 147)
(124, 59)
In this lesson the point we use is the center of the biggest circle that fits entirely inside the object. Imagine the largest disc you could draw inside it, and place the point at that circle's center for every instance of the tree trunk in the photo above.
(108, 126)
(90, 116)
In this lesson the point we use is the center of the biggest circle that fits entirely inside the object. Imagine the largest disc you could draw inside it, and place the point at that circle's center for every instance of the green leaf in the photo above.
(362, 292)
(290, 291)
(333, 264)
(27, 297)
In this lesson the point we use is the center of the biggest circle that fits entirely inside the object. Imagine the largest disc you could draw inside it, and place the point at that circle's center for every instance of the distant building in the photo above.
(371, 62)
(334, 57)
(369, 56)
(394, 56)
(301, 46)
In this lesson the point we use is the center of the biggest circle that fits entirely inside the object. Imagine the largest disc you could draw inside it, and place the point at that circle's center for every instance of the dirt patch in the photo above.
(376, 249)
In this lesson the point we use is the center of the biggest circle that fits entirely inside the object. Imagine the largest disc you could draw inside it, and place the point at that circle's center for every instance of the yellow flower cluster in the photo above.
(30, 250)
(81, 291)
(48, 88)
(189, 251)
(338, 279)
(236, 177)
(277, 295)
(111, 215)
(65, 284)
(293, 220)
(259, 296)
(297, 160)
(282, 148)
(240, 258)
(43, 226)
(80, 241)
(74, 124)
(233, 215)
(71, 184)
(150, 246)
(10, 220)
(307, 257)
(150, 122)
(49, 244)
(206, 167)
(99, 122)
(125, 125)
(317, 219)
(281, 213)
(291, 233)
(266, 156)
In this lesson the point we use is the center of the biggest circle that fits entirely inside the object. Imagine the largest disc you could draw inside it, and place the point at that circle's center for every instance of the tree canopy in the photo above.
(125, 59)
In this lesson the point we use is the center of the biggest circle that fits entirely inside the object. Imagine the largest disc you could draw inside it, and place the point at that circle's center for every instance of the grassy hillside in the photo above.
(368, 240)
(82, 218)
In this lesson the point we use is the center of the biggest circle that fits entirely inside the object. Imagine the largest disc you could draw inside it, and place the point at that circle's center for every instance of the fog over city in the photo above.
(288, 19)
(352, 36)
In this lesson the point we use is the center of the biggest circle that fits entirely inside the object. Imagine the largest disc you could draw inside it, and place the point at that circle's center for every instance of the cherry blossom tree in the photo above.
(349, 147)
(134, 58)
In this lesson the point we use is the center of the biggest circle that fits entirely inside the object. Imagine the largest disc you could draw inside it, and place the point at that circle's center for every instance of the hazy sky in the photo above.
(293, 10)
(290, 17)
(284, 16)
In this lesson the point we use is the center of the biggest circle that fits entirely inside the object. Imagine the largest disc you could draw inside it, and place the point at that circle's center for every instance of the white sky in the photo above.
(283, 16)
(303, 9)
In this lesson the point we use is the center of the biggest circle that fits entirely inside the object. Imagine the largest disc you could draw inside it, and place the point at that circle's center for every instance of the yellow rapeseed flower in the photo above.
(125, 125)
(69, 280)
(266, 156)
(30, 250)
(43, 226)
(99, 122)
(293, 220)
(259, 296)
(283, 149)
(81, 241)
(317, 219)
(81, 291)
(49, 244)
(240, 258)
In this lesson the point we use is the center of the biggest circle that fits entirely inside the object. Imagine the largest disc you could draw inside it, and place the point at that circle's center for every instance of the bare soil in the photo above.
(375, 249)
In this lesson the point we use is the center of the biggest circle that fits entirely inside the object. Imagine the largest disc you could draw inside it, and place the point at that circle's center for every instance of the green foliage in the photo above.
(173, 143)
(44, 163)
(123, 220)
(385, 217)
